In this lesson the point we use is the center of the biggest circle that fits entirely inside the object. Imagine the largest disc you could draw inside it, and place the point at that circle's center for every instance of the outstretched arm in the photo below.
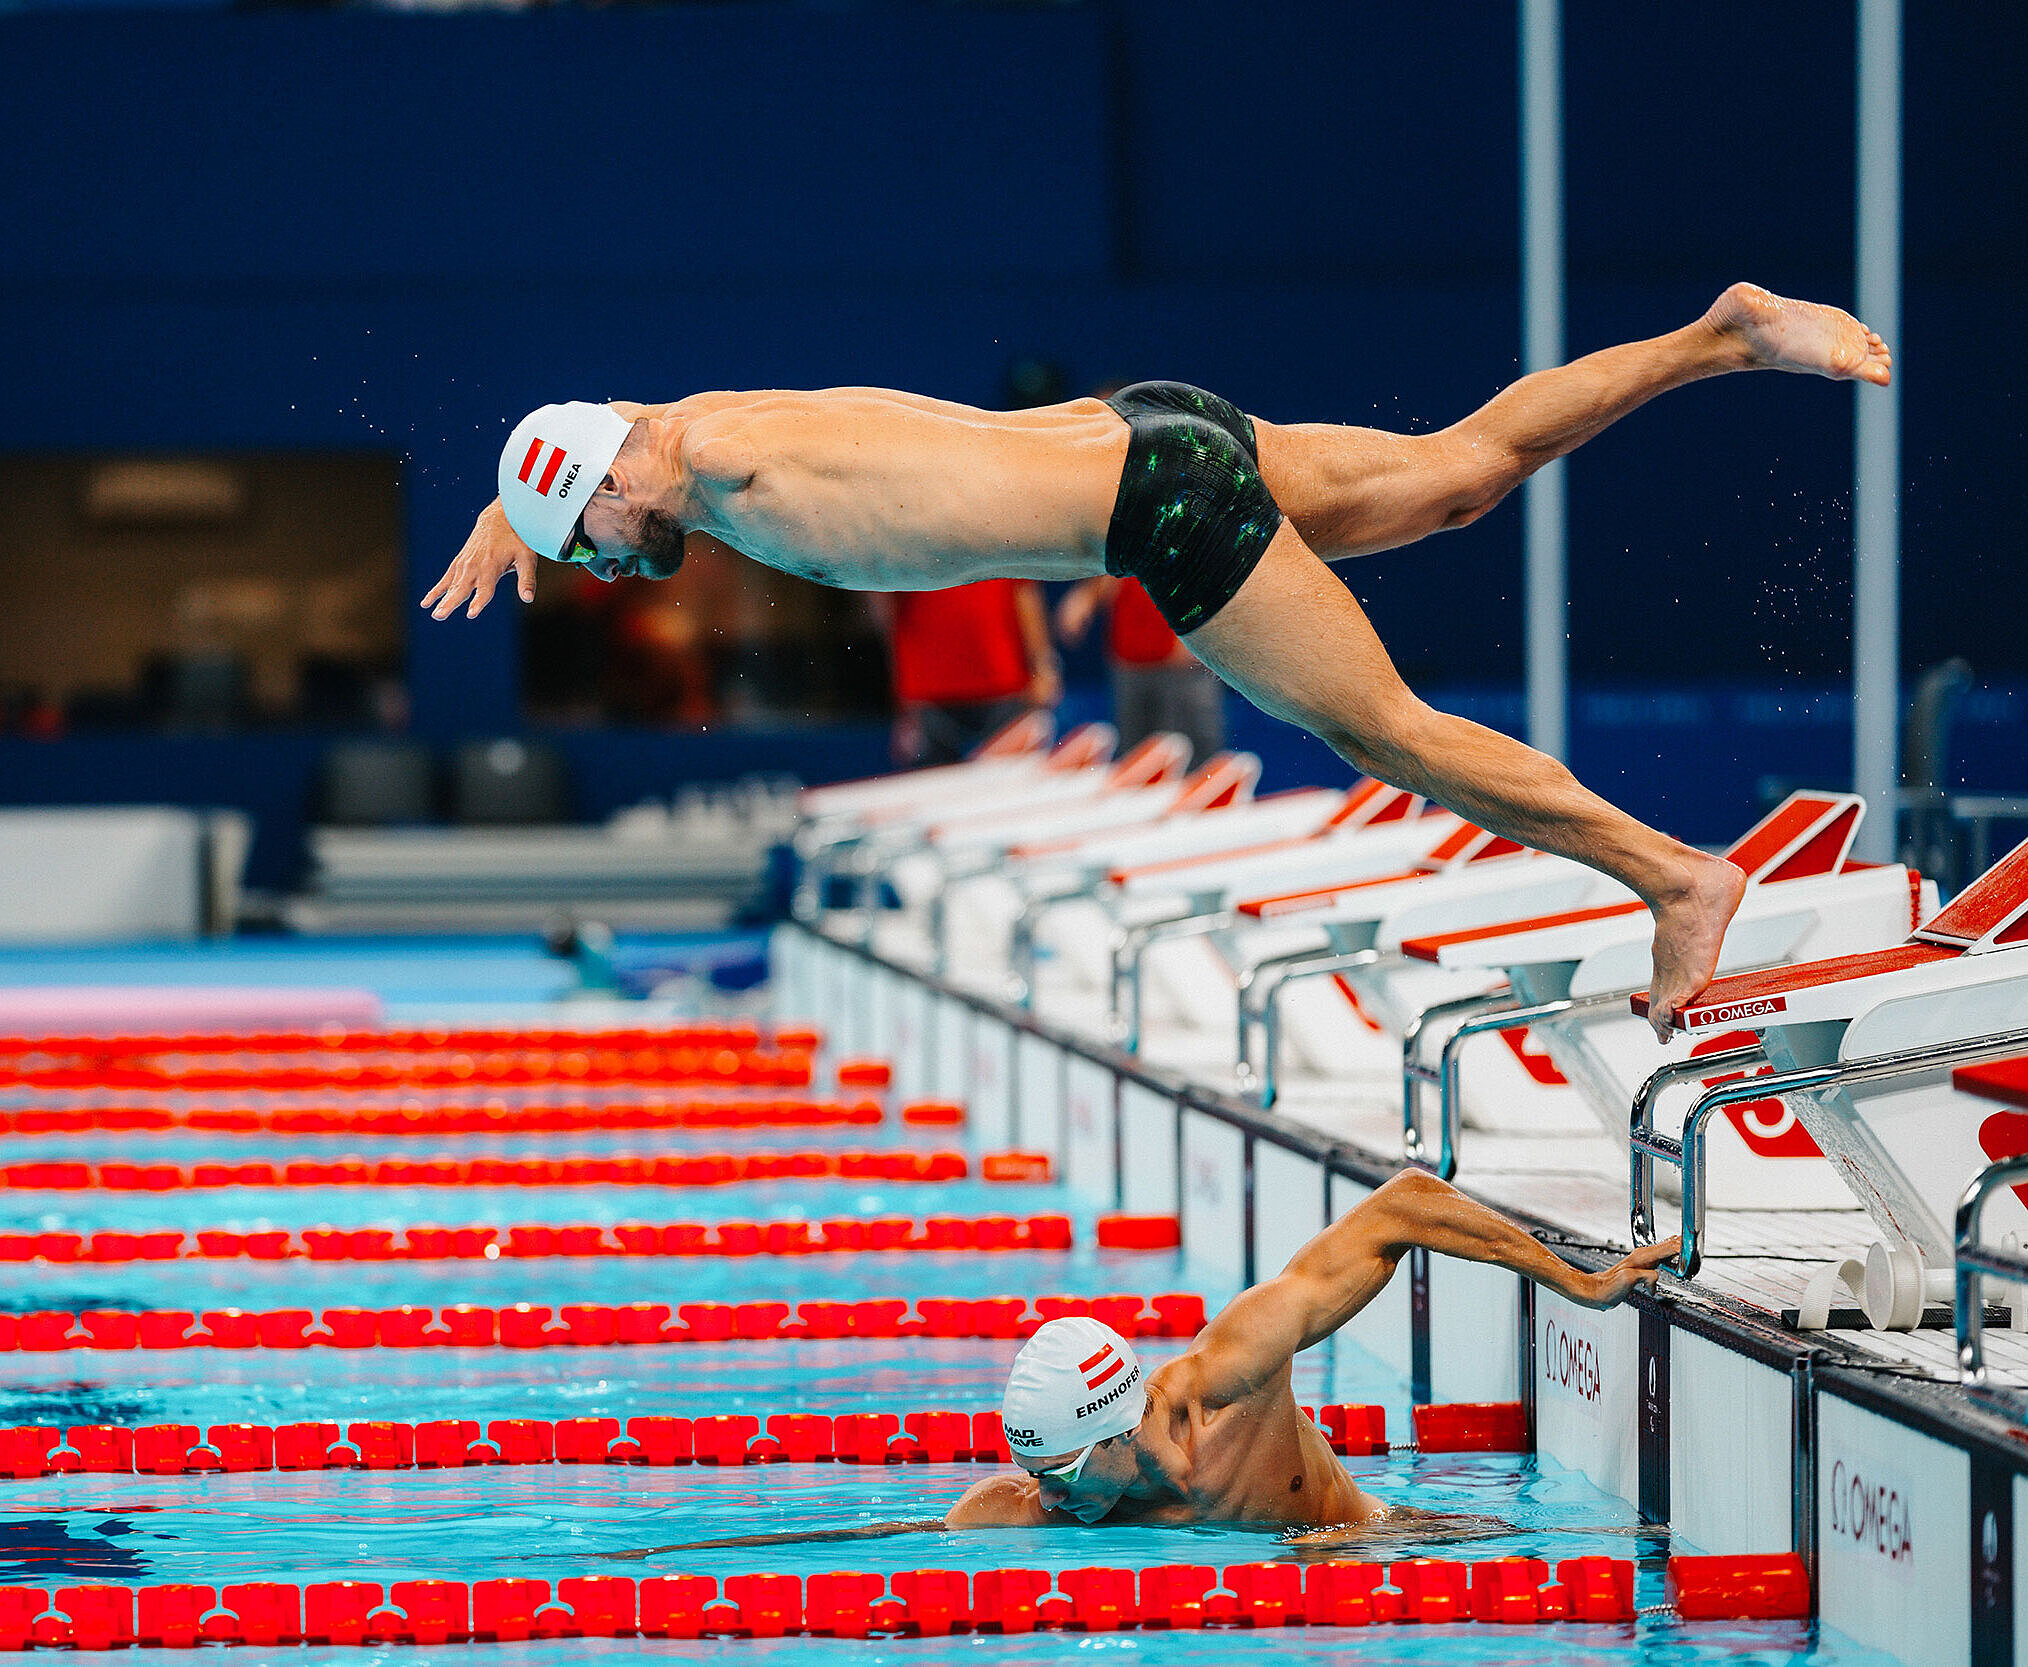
(492, 551)
(1346, 1266)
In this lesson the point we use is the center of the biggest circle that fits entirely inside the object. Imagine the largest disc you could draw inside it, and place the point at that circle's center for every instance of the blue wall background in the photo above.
(363, 229)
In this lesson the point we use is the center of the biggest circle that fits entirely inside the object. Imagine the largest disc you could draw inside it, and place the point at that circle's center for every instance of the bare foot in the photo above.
(1690, 927)
(1775, 333)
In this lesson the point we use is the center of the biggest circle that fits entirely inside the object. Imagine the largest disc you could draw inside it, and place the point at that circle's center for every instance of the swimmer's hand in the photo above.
(488, 556)
(1609, 1287)
(811, 1536)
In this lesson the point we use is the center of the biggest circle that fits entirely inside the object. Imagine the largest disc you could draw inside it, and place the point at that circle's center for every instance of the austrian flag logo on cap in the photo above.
(1103, 1365)
(554, 462)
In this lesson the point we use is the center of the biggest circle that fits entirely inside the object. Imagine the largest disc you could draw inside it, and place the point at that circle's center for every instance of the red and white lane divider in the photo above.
(925, 1603)
(849, 1235)
(451, 1443)
(434, 1068)
(741, 1035)
(490, 1118)
(529, 1326)
(939, 1437)
(699, 1169)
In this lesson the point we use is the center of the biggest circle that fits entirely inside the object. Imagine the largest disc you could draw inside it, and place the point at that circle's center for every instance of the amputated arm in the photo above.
(793, 1536)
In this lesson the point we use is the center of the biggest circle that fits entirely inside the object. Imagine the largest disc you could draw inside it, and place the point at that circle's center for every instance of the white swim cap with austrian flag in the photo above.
(1074, 1382)
(552, 464)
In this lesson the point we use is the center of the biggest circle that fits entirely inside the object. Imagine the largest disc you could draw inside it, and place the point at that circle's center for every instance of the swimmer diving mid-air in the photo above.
(1215, 1435)
(1221, 517)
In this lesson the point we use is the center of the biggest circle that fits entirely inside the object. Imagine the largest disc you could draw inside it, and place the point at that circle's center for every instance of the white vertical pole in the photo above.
(1544, 529)
(1876, 461)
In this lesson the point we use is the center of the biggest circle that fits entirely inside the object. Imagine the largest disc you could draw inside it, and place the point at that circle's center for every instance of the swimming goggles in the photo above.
(576, 547)
(1067, 1473)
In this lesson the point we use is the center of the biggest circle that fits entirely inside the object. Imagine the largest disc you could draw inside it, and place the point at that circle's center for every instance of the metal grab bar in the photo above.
(1975, 1261)
(1415, 1073)
(1642, 1123)
(1450, 1087)
(1687, 1154)
(1021, 942)
(1287, 969)
(1131, 944)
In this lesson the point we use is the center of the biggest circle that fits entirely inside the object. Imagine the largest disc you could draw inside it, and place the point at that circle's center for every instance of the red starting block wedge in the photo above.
(1773, 1586)
(1472, 1427)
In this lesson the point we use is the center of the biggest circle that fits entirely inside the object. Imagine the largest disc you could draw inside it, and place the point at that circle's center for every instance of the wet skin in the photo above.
(870, 488)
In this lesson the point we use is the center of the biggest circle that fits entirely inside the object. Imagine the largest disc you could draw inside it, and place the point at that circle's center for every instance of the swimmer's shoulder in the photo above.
(720, 449)
(730, 438)
(1008, 1500)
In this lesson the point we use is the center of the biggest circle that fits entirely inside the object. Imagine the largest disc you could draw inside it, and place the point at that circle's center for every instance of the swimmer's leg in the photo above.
(1295, 643)
(1352, 491)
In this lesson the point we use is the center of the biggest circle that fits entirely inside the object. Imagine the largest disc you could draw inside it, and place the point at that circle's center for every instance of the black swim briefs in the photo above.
(1193, 514)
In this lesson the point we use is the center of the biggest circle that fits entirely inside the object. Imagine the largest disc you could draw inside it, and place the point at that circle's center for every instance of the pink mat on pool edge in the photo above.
(114, 1009)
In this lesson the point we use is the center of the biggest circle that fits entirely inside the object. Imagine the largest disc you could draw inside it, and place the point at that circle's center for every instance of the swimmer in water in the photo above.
(1223, 518)
(1215, 1435)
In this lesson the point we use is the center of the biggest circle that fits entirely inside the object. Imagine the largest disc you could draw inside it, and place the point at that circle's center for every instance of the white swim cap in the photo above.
(1074, 1382)
(551, 465)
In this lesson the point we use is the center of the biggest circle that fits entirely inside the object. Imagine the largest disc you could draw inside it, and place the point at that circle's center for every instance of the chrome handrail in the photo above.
(1642, 1122)
(1415, 1073)
(1687, 1153)
(1131, 944)
(1021, 948)
(1450, 1087)
(1292, 967)
(1975, 1261)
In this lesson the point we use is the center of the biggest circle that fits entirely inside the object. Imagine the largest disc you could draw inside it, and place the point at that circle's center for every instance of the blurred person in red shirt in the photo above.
(966, 661)
(1158, 684)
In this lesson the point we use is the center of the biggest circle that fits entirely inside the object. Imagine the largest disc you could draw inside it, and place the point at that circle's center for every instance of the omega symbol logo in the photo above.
(1875, 1515)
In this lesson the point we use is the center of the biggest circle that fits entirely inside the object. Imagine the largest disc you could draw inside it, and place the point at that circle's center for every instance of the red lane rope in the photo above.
(939, 1437)
(526, 1325)
(922, 1603)
(435, 1244)
(517, 1068)
(696, 1169)
(488, 1119)
(736, 1034)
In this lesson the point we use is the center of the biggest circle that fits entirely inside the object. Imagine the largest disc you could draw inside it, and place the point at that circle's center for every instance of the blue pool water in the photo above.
(559, 1520)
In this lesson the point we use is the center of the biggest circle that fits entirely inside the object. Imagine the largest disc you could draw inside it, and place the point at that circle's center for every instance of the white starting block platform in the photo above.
(1797, 1380)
